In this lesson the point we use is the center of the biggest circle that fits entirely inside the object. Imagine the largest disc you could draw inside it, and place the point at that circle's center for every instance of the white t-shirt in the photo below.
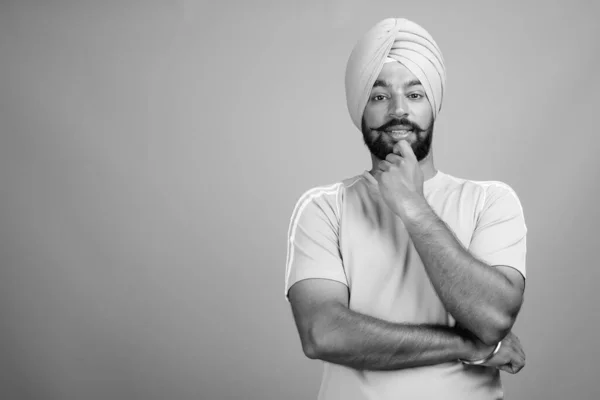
(345, 232)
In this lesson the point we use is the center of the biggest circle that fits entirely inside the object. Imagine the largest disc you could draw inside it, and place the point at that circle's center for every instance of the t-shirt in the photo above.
(345, 232)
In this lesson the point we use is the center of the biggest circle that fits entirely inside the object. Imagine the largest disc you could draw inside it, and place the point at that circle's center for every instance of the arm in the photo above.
(482, 299)
(331, 332)
(316, 286)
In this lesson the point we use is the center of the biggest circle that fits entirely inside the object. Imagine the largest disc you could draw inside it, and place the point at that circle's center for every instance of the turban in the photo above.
(401, 40)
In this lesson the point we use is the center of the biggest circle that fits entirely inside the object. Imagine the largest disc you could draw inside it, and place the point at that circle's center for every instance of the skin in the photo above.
(483, 299)
(398, 98)
(330, 331)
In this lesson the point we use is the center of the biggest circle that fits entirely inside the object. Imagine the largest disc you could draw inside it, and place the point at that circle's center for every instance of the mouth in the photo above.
(399, 134)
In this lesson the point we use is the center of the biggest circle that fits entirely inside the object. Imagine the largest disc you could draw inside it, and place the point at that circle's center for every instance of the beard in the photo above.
(380, 144)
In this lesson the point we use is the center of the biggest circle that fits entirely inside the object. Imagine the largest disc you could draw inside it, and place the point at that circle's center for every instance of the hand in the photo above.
(510, 358)
(400, 178)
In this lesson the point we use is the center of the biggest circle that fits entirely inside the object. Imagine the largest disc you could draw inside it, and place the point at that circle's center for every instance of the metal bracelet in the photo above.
(486, 359)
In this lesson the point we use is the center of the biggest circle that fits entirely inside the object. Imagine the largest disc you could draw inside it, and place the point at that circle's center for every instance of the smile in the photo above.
(399, 134)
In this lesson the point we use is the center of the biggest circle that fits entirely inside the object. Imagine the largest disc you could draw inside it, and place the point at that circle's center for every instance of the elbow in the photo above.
(497, 330)
(310, 350)
(316, 346)
(492, 336)
(314, 349)
(499, 322)
(321, 341)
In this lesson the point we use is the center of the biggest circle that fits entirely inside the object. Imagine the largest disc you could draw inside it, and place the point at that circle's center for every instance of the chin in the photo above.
(381, 145)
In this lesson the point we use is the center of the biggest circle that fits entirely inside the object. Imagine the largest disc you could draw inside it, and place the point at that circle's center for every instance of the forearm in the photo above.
(477, 296)
(342, 336)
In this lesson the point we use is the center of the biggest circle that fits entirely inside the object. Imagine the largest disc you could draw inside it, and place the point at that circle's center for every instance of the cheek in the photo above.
(374, 115)
(424, 116)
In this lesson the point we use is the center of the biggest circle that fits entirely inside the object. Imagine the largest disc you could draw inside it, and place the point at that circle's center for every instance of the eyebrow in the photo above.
(383, 83)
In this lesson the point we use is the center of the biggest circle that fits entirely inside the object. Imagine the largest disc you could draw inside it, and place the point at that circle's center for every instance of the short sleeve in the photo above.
(500, 233)
(313, 238)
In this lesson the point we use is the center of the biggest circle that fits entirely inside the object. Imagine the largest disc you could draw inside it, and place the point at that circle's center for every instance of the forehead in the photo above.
(396, 74)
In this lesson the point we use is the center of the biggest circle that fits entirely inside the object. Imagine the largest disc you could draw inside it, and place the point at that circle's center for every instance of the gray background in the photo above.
(151, 154)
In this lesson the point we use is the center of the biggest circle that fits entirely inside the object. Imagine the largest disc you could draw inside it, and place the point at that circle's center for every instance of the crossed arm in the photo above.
(330, 331)
(483, 299)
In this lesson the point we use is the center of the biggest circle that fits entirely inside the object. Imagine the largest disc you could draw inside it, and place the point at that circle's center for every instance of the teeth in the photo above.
(398, 135)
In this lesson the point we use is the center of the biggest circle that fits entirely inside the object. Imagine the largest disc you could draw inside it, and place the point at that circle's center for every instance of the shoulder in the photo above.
(488, 194)
(499, 193)
(328, 196)
(498, 197)
(491, 190)
(318, 196)
(319, 208)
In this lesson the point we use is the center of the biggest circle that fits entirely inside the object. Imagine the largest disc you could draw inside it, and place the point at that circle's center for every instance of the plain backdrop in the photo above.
(151, 154)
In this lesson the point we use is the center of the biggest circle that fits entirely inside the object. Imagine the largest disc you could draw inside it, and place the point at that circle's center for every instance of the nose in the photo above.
(398, 107)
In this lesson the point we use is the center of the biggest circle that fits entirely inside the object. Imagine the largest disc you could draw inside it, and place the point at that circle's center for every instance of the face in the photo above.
(397, 109)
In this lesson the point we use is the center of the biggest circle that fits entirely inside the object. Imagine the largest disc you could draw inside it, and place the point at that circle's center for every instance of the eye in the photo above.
(378, 97)
(415, 96)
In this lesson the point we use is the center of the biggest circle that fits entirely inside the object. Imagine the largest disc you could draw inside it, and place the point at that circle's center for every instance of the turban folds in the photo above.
(403, 41)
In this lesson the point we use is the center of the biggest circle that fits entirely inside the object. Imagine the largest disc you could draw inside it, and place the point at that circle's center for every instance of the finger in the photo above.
(398, 148)
(518, 349)
(384, 165)
(517, 343)
(394, 158)
(507, 368)
(405, 150)
(516, 339)
(517, 368)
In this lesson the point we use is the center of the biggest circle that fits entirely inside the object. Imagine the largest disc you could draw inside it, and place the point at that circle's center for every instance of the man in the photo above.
(405, 280)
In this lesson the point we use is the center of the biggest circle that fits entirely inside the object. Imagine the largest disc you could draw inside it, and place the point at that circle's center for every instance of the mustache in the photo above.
(403, 121)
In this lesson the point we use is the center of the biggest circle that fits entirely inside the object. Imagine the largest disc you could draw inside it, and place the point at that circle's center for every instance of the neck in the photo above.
(426, 165)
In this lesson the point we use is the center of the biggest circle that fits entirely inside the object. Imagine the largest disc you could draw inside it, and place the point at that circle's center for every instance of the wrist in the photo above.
(482, 359)
(472, 348)
(413, 207)
(467, 349)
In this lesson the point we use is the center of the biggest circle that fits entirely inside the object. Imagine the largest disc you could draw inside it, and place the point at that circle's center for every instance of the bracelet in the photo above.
(486, 359)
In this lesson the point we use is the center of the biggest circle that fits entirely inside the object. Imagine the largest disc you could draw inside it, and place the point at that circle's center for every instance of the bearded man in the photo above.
(406, 281)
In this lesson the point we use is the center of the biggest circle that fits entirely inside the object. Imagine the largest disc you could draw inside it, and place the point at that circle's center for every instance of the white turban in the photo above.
(403, 41)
